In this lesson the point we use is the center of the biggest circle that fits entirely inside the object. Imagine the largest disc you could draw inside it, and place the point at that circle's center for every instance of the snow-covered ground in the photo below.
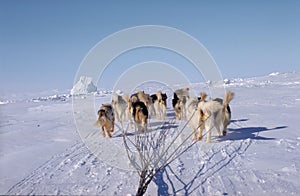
(41, 151)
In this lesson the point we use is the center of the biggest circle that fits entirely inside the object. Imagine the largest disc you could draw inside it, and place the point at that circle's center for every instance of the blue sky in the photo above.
(42, 43)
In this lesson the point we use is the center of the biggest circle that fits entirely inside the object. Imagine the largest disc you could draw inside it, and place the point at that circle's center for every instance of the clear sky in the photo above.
(42, 43)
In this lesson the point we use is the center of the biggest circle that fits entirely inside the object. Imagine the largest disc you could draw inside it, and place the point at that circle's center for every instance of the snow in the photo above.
(274, 74)
(3, 102)
(62, 97)
(83, 86)
(41, 151)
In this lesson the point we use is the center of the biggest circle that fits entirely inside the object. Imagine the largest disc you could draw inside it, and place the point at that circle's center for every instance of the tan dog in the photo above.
(141, 96)
(106, 119)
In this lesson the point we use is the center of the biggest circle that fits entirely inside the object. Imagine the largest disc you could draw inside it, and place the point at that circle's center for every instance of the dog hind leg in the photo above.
(208, 128)
(103, 131)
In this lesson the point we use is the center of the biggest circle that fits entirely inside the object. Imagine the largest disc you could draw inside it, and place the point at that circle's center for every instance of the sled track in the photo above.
(215, 169)
(47, 170)
(220, 170)
(207, 169)
(75, 171)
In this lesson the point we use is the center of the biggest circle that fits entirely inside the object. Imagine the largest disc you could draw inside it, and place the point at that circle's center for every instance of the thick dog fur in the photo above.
(142, 97)
(227, 117)
(178, 102)
(214, 113)
(140, 114)
(159, 101)
(193, 114)
(121, 105)
(106, 119)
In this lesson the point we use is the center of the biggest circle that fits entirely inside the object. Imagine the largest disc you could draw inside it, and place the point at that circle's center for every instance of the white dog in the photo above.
(121, 105)
(214, 113)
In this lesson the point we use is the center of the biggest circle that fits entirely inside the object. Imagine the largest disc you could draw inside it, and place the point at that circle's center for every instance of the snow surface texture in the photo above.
(83, 86)
(42, 153)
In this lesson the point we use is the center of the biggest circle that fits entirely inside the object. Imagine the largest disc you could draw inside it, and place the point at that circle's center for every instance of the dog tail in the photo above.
(202, 116)
(228, 97)
(114, 97)
(203, 96)
(126, 97)
(158, 95)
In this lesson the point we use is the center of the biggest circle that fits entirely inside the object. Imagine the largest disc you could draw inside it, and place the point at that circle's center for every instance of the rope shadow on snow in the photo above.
(171, 114)
(215, 162)
(239, 120)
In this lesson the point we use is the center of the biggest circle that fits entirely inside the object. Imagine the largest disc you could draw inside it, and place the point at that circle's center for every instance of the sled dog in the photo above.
(106, 119)
(142, 97)
(214, 113)
(121, 106)
(140, 115)
(159, 101)
(193, 114)
(178, 102)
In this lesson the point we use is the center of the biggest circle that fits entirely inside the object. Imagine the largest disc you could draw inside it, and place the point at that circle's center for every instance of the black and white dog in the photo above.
(139, 113)
(159, 101)
(178, 102)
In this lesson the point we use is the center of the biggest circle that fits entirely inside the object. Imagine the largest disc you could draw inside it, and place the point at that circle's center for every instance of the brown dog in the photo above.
(140, 114)
(106, 119)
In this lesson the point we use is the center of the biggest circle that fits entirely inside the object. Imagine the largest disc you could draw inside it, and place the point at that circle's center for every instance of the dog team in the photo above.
(200, 113)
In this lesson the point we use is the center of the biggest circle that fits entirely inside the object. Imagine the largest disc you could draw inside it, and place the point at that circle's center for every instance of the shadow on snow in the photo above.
(169, 181)
(249, 132)
(165, 180)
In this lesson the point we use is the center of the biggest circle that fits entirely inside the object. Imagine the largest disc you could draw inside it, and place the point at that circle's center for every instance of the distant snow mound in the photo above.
(63, 97)
(83, 86)
(3, 102)
(119, 92)
(274, 74)
(227, 81)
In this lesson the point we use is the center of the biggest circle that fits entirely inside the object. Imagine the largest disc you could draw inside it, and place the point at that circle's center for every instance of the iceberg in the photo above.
(84, 86)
